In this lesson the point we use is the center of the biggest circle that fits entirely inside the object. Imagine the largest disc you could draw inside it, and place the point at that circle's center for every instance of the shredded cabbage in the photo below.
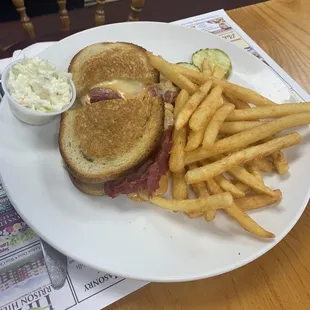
(37, 85)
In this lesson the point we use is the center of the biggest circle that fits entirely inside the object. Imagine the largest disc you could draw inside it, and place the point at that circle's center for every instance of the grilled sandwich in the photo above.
(117, 142)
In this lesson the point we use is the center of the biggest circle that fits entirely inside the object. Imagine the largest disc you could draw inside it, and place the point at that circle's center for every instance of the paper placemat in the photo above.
(24, 283)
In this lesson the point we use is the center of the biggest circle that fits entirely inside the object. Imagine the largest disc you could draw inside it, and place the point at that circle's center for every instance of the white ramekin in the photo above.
(27, 115)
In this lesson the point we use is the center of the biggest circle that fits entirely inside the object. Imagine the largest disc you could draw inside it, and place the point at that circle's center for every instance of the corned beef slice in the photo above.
(147, 177)
(103, 93)
(166, 91)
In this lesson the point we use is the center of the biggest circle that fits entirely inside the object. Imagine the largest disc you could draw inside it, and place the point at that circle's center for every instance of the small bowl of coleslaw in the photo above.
(37, 91)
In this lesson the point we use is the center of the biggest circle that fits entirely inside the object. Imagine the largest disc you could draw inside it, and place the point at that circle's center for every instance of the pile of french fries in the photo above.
(223, 138)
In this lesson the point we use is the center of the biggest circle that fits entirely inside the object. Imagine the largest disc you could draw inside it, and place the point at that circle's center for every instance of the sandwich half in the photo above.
(118, 141)
(117, 146)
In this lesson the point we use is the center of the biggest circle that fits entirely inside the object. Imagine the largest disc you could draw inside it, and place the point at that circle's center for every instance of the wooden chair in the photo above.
(135, 8)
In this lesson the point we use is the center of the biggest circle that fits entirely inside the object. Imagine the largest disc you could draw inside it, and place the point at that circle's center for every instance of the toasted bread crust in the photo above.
(96, 142)
(128, 155)
(107, 61)
(89, 189)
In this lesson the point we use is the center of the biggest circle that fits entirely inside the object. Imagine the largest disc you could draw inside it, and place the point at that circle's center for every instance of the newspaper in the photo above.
(24, 283)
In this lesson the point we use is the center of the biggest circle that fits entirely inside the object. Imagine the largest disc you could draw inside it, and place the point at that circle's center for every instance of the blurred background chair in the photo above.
(25, 9)
(53, 20)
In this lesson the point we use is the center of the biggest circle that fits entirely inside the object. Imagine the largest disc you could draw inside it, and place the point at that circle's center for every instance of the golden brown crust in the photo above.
(87, 135)
(105, 133)
(136, 131)
(61, 135)
(107, 61)
(89, 189)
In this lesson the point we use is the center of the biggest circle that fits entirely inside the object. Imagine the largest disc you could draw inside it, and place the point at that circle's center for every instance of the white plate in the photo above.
(133, 240)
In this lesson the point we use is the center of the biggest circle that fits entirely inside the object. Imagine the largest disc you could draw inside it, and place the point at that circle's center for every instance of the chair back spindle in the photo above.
(99, 15)
(25, 20)
(63, 15)
(136, 7)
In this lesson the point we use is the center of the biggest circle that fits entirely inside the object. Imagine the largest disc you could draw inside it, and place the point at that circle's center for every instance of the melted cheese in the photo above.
(163, 185)
(135, 197)
(169, 119)
(85, 100)
(127, 88)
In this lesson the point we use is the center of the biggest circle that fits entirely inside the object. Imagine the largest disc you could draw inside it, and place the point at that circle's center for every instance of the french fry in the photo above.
(194, 140)
(171, 73)
(242, 187)
(254, 170)
(215, 124)
(243, 93)
(195, 76)
(220, 201)
(225, 100)
(214, 189)
(269, 111)
(247, 222)
(227, 186)
(249, 136)
(179, 187)
(200, 190)
(241, 217)
(220, 183)
(280, 162)
(176, 160)
(205, 68)
(258, 201)
(209, 215)
(264, 164)
(277, 160)
(245, 180)
(180, 101)
(211, 170)
(206, 109)
(216, 127)
(239, 104)
(230, 128)
(242, 175)
(191, 105)
(218, 72)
